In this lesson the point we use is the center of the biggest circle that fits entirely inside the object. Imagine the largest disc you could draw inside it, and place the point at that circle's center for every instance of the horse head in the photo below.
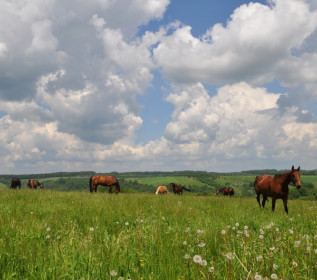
(295, 177)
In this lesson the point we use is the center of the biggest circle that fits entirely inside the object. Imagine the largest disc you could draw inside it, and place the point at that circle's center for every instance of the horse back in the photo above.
(263, 183)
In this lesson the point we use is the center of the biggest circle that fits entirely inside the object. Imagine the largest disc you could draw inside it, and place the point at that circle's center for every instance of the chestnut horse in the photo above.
(33, 184)
(108, 181)
(15, 183)
(225, 191)
(178, 189)
(276, 187)
(162, 190)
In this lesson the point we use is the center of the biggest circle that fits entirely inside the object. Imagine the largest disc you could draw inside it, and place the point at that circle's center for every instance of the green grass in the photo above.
(63, 235)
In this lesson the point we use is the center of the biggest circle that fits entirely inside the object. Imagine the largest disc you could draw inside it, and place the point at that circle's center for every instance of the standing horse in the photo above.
(15, 183)
(178, 189)
(225, 191)
(162, 190)
(109, 181)
(33, 184)
(276, 187)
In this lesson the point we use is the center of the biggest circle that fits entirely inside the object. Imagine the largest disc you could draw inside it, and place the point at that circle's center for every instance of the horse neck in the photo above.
(284, 179)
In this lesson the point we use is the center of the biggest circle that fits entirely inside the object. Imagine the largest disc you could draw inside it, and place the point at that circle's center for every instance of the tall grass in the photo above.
(59, 235)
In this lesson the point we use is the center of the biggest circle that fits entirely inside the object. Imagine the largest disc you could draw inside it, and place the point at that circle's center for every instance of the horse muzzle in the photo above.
(298, 186)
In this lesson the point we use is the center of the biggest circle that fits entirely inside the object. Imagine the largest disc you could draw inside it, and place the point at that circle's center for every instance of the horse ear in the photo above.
(298, 168)
(292, 167)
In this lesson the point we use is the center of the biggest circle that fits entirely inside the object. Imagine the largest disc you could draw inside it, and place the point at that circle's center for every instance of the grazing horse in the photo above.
(225, 191)
(15, 183)
(33, 184)
(109, 181)
(276, 187)
(178, 189)
(162, 190)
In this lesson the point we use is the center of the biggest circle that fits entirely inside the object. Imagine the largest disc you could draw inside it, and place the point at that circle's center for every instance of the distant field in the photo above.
(77, 235)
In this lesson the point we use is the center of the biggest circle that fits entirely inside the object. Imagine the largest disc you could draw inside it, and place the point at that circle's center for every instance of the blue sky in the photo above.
(157, 85)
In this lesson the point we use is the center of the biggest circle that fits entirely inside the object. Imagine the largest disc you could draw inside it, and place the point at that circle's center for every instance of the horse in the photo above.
(15, 183)
(225, 191)
(276, 187)
(178, 189)
(109, 181)
(162, 190)
(33, 184)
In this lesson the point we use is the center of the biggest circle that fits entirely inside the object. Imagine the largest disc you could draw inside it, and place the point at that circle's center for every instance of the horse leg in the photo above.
(258, 199)
(110, 189)
(263, 201)
(273, 203)
(285, 205)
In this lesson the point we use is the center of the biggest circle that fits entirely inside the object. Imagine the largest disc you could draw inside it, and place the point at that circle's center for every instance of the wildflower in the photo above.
(113, 273)
(203, 263)
(31, 212)
(272, 248)
(246, 227)
(187, 229)
(187, 256)
(259, 258)
(48, 229)
(237, 224)
(274, 276)
(126, 223)
(200, 231)
(297, 243)
(211, 269)
(262, 231)
(185, 243)
(201, 245)
(91, 229)
(277, 229)
(295, 265)
(291, 231)
(223, 232)
(48, 236)
(229, 256)
(315, 251)
(261, 236)
(275, 266)
(197, 259)
(121, 278)
(58, 237)
(257, 276)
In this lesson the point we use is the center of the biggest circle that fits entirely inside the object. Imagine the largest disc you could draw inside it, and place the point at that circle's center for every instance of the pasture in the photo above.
(76, 235)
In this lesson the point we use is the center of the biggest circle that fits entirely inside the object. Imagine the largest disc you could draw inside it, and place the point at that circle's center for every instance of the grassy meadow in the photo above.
(77, 235)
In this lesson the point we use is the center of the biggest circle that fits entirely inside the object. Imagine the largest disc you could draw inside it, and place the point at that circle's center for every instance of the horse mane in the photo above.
(277, 176)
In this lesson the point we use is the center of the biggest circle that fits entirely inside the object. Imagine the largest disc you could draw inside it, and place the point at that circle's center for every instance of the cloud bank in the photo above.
(71, 75)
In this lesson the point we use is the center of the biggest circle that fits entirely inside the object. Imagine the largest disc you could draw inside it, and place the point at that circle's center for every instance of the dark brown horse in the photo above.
(109, 181)
(15, 183)
(225, 191)
(33, 184)
(178, 189)
(276, 187)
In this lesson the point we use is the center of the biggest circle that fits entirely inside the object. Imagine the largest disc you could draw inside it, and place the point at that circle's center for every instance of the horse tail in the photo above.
(186, 189)
(90, 184)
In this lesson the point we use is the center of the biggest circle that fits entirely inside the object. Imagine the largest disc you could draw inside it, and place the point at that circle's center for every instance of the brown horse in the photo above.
(33, 184)
(15, 183)
(276, 187)
(109, 181)
(178, 189)
(162, 190)
(225, 191)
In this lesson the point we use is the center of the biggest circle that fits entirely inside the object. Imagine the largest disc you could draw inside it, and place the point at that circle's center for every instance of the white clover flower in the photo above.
(315, 251)
(257, 276)
(277, 229)
(246, 227)
(272, 248)
(126, 223)
(197, 259)
(203, 263)
(290, 231)
(261, 236)
(48, 229)
(223, 232)
(185, 243)
(274, 276)
(48, 236)
(295, 265)
(58, 237)
(187, 256)
(275, 266)
(91, 229)
(259, 258)
(187, 229)
(297, 243)
(237, 224)
(113, 273)
(201, 245)
(211, 269)
(261, 231)
(230, 256)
